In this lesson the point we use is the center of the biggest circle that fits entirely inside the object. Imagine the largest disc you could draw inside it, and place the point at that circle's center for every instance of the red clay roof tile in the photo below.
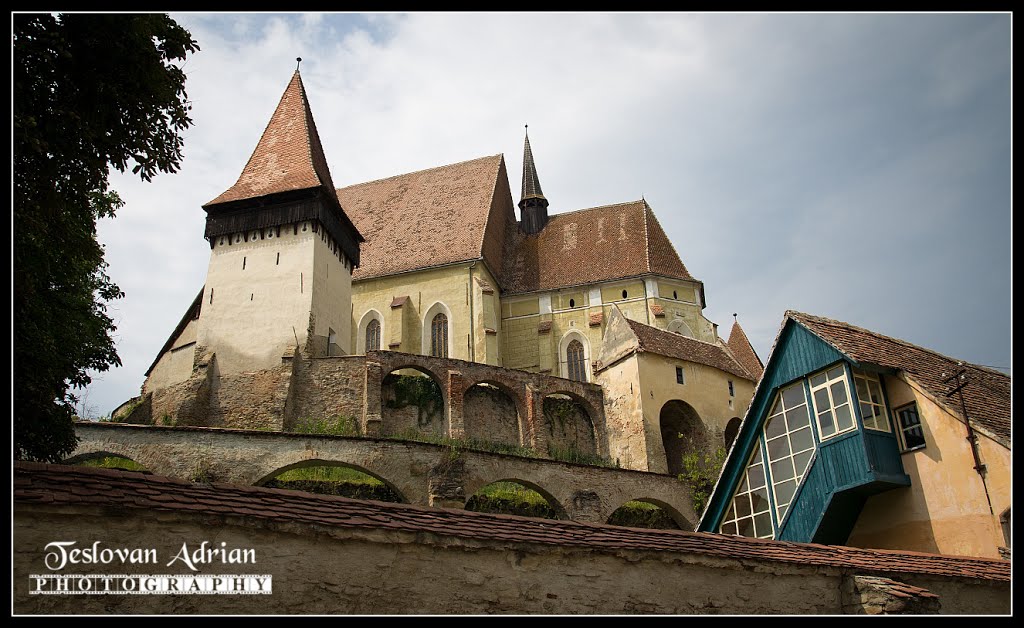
(55, 484)
(674, 345)
(987, 395)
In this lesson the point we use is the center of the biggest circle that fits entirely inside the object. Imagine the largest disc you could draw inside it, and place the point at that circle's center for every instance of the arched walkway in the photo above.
(516, 497)
(646, 512)
(490, 413)
(682, 432)
(412, 404)
(333, 478)
(569, 429)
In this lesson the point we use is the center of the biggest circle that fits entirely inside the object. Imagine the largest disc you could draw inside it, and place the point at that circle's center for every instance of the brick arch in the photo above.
(317, 462)
(596, 417)
(684, 522)
(442, 384)
(474, 485)
(151, 459)
(97, 454)
(515, 393)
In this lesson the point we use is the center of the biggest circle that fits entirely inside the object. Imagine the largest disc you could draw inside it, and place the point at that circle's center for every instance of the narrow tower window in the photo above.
(577, 361)
(278, 262)
(439, 336)
(373, 335)
(243, 263)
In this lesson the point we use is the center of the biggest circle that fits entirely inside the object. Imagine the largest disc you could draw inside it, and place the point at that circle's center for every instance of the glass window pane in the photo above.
(729, 528)
(867, 411)
(797, 418)
(775, 426)
(742, 506)
(876, 392)
(862, 388)
(746, 527)
(828, 426)
(778, 448)
(782, 470)
(801, 460)
(777, 406)
(818, 380)
(793, 396)
(801, 440)
(843, 417)
(838, 393)
(743, 488)
(783, 511)
(763, 525)
(759, 500)
(784, 491)
(835, 372)
(730, 514)
(756, 458)
(756, 476)
(821, 400)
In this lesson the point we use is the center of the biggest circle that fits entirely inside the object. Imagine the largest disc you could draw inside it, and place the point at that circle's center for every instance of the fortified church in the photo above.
(581, 330)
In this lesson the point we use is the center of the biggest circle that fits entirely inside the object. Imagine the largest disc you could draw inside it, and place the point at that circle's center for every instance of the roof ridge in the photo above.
(674, 335)
(824, 320)
(586, 209)
(406, 174)
(647, 236)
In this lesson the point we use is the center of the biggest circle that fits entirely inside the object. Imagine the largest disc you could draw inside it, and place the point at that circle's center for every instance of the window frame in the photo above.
(434, 335)
(680, 376)
(782, 510)
(743, 489)
(901, 438)
(827, 387)
(883, 417)
(576, 365)
(376, 335)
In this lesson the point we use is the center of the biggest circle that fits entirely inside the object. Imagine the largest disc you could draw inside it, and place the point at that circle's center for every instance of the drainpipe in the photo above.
(472, 344)
(972, 438)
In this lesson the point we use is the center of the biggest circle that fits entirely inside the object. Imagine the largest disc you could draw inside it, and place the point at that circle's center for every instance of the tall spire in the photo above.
(532, 205)
(288, 157)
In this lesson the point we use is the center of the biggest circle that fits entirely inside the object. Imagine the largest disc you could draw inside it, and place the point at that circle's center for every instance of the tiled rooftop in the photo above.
(681, 347)
(987, 394)
(36, 483)
(744, 353)
(588, 246)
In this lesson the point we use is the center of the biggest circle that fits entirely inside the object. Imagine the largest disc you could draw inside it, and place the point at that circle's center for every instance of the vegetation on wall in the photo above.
(702, 464)
(90, 92)
(334, 480)
(340, 425)
(415, 390)
(114, 462)
(510, 498)
(636, 514)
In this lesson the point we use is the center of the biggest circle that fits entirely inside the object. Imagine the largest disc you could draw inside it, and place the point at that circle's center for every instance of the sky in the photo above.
(854, 166)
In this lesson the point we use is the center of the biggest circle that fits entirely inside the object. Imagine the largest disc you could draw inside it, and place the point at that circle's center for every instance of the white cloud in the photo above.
(750, 135)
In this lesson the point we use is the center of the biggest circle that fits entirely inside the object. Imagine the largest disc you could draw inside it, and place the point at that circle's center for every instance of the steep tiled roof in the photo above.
(432, 217)
(743, 351)
(531, 183)
(987, 394)
(36, 483)
(289, 156)
(672, 345)
(590, 245)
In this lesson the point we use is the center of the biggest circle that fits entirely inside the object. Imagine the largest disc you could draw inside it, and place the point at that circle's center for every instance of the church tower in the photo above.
(282, 251)
(532, 205)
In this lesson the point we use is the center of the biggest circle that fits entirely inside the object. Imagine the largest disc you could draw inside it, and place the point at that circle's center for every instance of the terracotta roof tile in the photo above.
(674, 345)
(596, 319)
(288, 156)
(544, 327)
(55, 484)
(744, 352)
(399, 301)
(590, 245)
(987, 395)
(657, 310)
(433, 217)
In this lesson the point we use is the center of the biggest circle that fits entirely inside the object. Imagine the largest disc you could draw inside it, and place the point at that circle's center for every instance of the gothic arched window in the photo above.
(576, 361)
(373, 335)
(439, 336)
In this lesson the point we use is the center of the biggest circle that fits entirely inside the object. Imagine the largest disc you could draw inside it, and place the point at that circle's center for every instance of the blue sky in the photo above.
(855, 166)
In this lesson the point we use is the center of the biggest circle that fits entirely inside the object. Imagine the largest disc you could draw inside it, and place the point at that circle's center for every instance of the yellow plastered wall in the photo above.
(175, 365)
(689, 313)
(627, 438)
(684, 292)
(945, 509)
(706, 390)
(449, 285)
(332, 294)
(252, 315)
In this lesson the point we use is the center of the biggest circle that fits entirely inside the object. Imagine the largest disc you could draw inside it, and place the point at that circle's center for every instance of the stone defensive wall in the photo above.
(332, 555)
(419, 473)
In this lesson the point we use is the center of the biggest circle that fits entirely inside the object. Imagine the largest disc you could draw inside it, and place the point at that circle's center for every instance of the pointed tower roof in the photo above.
(288, 157)
(743, 351)
(531, 184)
